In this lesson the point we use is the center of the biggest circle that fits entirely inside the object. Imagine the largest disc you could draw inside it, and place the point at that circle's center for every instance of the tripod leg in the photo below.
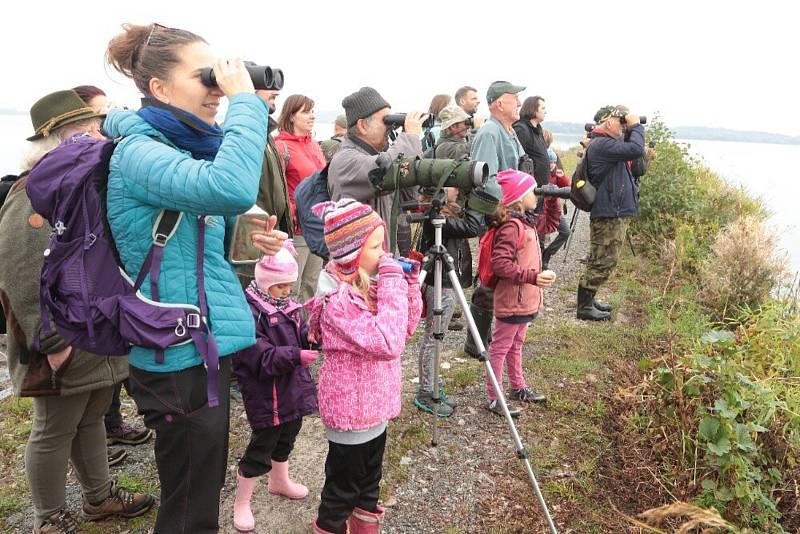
(572, 224)
(520, 449)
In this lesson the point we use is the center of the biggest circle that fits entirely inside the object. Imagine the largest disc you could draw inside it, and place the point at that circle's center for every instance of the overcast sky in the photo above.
(704, 63)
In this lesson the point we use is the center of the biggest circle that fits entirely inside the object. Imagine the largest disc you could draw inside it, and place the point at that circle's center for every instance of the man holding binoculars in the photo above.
(367, 138)
(617, 139)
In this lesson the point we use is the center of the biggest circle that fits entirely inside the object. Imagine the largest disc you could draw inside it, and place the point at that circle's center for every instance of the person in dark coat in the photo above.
(277, 388)
(459, 226)
(530, 134)
(616, 141)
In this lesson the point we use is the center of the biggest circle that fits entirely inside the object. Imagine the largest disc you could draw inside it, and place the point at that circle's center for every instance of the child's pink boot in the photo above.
(280, 484)
(243, 520)
(363, 522)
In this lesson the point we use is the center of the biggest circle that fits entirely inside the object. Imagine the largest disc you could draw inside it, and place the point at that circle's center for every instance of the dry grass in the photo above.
(692, 519)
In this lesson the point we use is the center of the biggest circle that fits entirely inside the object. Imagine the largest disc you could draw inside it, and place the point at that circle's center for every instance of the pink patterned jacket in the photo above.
(360, 379)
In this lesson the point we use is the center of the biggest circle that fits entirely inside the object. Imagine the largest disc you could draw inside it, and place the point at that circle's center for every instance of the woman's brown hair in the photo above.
(292, 105)
(530, 107)
(438, 103)
(146, 52)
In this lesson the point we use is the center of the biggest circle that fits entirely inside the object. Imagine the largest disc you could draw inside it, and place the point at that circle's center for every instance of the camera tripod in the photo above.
(440, 260)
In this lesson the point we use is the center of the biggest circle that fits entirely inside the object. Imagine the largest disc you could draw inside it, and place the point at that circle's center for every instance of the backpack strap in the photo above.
(207, 346)
(163, 229)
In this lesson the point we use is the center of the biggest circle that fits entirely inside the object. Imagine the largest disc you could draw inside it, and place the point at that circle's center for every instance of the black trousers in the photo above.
(113, 416)
(268, 444)
(352, 479)
(558, 242)
(191, 445)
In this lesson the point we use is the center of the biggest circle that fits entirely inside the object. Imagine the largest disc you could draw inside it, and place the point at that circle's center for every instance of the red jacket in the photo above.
(547, 222)
(304, 159)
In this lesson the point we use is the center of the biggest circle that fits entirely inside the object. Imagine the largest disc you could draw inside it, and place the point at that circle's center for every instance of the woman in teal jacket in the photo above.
(172, 155)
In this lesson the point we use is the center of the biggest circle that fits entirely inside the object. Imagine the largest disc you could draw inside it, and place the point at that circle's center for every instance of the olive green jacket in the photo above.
(451, 147)
(24, 235)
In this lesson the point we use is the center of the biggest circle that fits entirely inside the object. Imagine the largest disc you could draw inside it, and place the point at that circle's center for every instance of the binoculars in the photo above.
(397, 120)
(263, 77)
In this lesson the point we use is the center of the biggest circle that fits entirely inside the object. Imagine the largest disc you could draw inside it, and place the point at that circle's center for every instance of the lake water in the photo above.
(769, 171)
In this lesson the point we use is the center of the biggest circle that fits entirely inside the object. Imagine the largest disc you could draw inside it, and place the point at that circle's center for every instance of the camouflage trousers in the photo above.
(606, 239)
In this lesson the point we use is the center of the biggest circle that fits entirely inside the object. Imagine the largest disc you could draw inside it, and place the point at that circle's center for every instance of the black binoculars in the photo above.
(263, 77)
(397, 120)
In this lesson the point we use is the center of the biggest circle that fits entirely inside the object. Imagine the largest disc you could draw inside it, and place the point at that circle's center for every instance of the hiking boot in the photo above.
(586, 310)
(601, 306)
(127, 434)
(526, 394)
(455, 325)
(424, 401)
(457, 313)
(116, 455)
(120, 503)
(60, 522)
(495, 407)
(236, 393)
(443, 396)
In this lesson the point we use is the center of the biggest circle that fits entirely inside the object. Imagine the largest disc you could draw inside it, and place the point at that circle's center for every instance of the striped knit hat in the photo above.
(347, 226)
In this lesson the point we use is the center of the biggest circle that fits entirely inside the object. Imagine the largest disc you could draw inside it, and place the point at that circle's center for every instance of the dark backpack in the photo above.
(308, 192)
(582, 192)
(93, 303)
(485, 247)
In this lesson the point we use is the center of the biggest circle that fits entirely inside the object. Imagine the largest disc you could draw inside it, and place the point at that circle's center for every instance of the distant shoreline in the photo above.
(688, 133)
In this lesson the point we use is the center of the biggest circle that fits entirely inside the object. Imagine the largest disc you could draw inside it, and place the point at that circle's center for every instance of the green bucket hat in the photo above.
(58, 109)
(499, 88)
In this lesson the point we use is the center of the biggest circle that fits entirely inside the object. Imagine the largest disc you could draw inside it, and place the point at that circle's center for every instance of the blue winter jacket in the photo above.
(617, 194)
(148, 175)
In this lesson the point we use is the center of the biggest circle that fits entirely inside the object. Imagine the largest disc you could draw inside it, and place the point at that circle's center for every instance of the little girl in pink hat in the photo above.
(277, 388)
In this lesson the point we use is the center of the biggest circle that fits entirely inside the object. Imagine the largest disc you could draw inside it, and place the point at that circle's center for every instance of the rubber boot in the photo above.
(281, 484)
(243, 520)
(483, 320)
(586, 310)
(363, 522)
(601, 306)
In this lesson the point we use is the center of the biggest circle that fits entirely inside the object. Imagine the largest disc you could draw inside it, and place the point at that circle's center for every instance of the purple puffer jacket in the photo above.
(275, 387)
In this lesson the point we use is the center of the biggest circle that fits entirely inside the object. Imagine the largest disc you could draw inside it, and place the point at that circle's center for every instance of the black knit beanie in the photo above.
(362, 104)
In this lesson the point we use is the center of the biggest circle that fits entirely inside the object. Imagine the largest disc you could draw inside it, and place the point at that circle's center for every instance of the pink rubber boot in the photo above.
(243, 520)
(280, 484)
(363, 522)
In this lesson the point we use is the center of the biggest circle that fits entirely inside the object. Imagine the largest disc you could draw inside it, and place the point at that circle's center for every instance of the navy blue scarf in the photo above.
(185, 130)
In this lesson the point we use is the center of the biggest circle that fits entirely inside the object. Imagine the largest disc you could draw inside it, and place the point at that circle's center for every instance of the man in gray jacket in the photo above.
(367, 138)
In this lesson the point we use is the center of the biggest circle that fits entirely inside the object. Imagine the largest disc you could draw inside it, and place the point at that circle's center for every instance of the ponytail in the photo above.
(146, 52)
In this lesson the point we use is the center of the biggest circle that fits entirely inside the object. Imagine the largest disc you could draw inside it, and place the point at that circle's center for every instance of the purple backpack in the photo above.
(94, 305)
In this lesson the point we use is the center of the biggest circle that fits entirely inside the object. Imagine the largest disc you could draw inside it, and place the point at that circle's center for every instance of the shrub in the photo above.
(680, 198)
(743, 267)
(730, 412)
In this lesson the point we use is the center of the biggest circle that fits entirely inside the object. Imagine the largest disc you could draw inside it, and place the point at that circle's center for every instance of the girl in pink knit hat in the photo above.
(517, 266)
(277, 388)
(363, 324)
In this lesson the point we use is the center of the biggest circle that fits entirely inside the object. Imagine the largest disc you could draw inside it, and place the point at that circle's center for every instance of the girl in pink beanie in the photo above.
(277, 388)
(517, 266)
(363, 324)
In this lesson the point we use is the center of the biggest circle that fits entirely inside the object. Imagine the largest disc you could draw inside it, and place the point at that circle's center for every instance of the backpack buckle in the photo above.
(160, 240)
(193, 320)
